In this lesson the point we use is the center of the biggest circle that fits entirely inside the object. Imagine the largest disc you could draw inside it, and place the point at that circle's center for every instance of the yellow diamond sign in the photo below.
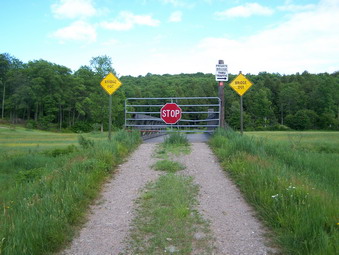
(241, 84)
(110, 83)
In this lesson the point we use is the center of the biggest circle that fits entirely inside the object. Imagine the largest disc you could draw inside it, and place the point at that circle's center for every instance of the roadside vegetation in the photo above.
(293, 184)
(166, 219)
(44, 194)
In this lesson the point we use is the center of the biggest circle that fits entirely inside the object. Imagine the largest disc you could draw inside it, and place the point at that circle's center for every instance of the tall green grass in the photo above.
(176, 138)
(50, 193)
(294, 191)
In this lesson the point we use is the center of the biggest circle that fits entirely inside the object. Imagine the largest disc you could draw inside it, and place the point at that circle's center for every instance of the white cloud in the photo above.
(77, 31)
(307, 41)
(73, 9)
(175, 16)
(127, 20)
(246, 10)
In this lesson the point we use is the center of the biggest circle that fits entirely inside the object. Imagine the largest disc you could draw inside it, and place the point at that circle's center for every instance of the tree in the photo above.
(102, 65)
(291, 99)
(7, 64)
(302, 120)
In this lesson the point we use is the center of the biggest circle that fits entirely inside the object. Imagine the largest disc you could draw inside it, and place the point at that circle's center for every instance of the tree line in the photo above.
(45, 95)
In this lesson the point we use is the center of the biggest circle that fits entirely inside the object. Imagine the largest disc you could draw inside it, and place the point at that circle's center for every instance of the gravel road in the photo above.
(236, 230)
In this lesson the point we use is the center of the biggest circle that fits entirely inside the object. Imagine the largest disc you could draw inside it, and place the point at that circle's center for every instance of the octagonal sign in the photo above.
(170, 113)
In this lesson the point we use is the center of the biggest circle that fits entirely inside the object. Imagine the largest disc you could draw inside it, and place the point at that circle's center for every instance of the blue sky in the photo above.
(175, 36)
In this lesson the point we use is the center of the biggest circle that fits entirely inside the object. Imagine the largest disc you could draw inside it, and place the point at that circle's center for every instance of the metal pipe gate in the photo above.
(199, 114)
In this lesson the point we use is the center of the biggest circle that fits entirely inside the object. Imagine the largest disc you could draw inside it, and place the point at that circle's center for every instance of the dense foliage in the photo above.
(45, 95)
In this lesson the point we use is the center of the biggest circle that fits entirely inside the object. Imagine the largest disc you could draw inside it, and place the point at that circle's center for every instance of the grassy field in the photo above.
(292, 179)
(313, 141)
(45, 192)
(21, 140)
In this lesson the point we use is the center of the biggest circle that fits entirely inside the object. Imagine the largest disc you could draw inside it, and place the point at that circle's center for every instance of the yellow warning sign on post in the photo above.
(241, 84)
(110, 83)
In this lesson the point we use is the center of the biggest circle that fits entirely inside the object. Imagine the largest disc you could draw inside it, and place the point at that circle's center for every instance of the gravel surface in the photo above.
(235, 228)
(233, 225)
(109, 220)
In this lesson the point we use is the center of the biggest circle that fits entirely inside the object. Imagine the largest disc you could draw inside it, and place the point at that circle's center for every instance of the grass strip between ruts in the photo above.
(167, 221)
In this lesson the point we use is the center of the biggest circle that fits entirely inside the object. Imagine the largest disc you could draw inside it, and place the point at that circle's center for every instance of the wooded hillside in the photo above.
(46, 95)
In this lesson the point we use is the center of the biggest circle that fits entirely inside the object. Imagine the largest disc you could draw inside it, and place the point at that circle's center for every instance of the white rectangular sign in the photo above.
(221, 73)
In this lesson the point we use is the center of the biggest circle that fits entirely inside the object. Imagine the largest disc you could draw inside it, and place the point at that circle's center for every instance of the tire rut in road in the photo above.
(232, 220)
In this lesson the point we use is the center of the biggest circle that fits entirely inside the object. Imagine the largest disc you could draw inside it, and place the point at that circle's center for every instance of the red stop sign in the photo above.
(170, 113)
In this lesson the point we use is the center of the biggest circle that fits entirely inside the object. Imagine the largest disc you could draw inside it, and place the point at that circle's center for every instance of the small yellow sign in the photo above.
(241, 84)
(110, 83)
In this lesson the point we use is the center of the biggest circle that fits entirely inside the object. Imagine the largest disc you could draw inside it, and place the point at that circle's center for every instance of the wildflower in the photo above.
(290, 187)
(275, 196)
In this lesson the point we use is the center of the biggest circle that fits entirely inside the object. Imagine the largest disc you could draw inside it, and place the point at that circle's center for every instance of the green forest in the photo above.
(44, 95)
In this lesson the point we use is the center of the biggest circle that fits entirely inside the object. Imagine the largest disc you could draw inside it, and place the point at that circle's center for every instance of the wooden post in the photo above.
(110, 118)
(222, 100)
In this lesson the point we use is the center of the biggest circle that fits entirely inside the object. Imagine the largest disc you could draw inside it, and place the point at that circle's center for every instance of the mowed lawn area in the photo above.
(21, 140)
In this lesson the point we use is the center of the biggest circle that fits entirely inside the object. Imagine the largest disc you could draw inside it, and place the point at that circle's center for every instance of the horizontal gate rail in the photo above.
(207, 120)
(159, 112)
(177, 126)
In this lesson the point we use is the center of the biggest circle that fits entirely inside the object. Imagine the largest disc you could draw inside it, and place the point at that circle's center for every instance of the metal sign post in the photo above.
(240, 85)
(110, 84)
(110, 118)
(241, 116)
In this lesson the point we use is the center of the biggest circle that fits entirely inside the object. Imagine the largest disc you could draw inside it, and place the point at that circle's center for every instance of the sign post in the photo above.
(221, 75)
(110, 84)
(240, 85)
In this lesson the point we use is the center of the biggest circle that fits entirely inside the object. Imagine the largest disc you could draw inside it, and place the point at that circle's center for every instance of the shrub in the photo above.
(31, 124)
(82, 126)
(85, 143)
